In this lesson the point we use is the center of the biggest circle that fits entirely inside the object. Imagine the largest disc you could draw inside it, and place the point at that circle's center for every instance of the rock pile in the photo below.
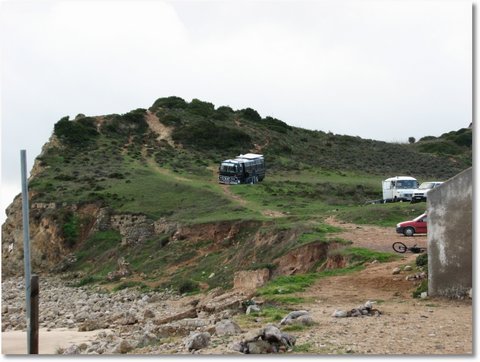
(128, 320)
(363, 310)
(266, 340)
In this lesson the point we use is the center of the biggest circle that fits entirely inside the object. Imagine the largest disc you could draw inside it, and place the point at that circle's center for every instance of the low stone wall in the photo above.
(134, 229)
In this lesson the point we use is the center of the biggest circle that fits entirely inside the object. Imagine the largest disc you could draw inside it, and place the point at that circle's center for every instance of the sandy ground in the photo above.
(15, 342)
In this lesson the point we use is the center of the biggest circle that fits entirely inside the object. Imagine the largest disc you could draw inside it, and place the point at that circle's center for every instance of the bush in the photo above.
(169, 102)
(276, 125)
(422, 260)
(170, 120)
(204, 109)
(251, 115)
(423, 287)
(70, 228)
(207, 135)
(223, 113)
(188, 286)
(127, 124)
(75, 133)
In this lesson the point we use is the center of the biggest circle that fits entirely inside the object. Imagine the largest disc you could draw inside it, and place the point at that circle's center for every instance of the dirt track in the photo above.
(407, 325)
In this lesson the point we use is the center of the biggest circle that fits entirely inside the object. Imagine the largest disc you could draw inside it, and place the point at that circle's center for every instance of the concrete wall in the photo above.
(449, 208)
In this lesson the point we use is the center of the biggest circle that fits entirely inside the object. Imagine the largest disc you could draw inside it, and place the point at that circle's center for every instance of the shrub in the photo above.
(423, 287)
(276, 125)
(411, 139)
(70, 228)
(207, 135)
(200, 108)
(127, 124)
(75, 133)
(422, 260)
(169, 102)
(223, 113)
(170, 120)
(188, 286)
(250, 114)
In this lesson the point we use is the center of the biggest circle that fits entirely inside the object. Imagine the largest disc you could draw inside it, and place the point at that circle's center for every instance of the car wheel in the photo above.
(409, 231)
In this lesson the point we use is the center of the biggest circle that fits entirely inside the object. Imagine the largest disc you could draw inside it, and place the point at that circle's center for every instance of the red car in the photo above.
(415, 226)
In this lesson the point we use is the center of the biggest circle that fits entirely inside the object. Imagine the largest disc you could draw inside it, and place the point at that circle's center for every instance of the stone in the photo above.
(396, 271)
(424, 295)
(288, 340)
(272, 333)
(293, 315)
(339, 314)
(73, 349)
(227, 327)
(407, 268)
(305, 320)
(197, 341)
(259, 347)
(253, 309)
(148, 314)
(123, 347)
(250, 279)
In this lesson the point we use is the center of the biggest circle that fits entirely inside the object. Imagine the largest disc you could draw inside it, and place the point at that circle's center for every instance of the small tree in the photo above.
(411, 140)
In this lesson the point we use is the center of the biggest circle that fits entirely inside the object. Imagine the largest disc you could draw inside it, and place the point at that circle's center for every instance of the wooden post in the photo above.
(34, 296)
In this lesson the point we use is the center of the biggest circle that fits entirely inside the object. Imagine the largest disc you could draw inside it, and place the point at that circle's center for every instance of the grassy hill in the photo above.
(162, 163)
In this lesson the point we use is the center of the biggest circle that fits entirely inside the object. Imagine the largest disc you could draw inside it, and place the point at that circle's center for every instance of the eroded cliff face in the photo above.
(48, 244)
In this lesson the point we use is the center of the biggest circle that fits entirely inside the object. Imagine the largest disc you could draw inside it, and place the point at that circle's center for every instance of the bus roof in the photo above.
(250, 156)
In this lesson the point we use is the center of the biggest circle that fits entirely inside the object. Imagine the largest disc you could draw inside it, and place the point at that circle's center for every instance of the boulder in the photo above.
(196, 341)
(227, 327)
(293, 315)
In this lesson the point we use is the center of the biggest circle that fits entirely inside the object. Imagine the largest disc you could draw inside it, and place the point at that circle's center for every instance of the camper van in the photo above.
(243, 169)
(399, 188)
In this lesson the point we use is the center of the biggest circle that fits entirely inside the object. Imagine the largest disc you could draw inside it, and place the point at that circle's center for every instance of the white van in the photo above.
(399, 188)
(420, 194)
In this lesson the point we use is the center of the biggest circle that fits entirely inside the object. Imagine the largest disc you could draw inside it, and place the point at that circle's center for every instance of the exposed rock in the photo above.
(266, 340)
(250, 279)
(123, 270)
(227, 327)
(123, 347)
(189, 313)
(396, 271)
(134, 228)
(148, 314)
(302, 259)
(293, 315)
(253, 309)
(339, 314)
(258, 347)
(197, 341)
(363, 310)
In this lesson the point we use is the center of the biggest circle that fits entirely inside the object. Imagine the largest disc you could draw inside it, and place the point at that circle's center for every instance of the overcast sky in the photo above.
(385, 70)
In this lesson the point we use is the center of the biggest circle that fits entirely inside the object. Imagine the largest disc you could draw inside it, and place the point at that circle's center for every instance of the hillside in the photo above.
(136, 195)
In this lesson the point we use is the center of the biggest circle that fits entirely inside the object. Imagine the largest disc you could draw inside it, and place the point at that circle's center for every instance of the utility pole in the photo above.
(26, 256)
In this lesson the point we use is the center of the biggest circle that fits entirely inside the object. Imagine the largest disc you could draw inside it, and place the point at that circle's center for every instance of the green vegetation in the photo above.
(423, 287)
(422, 260)
(356, 255)
(382, 214)
(119, 164)
(279, 289)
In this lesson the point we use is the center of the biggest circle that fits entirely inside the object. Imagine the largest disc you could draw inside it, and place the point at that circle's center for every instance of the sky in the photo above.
(384, 70)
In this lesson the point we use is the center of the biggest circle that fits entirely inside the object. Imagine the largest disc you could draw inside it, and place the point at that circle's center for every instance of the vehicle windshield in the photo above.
(227, 167)
(423, 216)
(426, 186)
(407, 184)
